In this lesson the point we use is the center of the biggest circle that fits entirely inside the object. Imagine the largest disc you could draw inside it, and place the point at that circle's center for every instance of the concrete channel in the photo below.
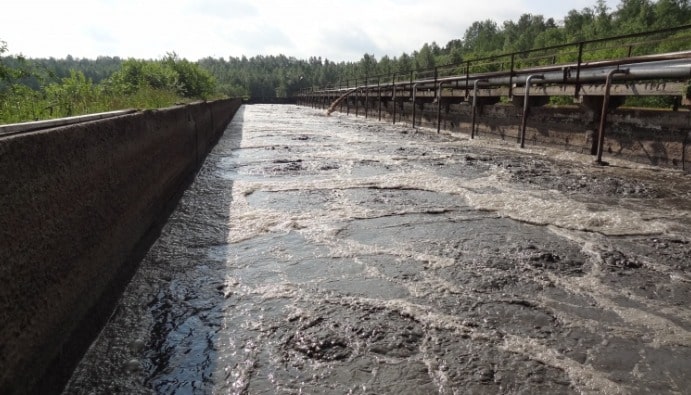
(81, 200)
(317, 254)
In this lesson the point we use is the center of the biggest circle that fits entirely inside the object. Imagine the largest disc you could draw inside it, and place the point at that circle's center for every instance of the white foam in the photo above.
(585, 223)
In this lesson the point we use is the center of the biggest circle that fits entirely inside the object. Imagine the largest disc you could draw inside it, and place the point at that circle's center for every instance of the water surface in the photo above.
(320, 254)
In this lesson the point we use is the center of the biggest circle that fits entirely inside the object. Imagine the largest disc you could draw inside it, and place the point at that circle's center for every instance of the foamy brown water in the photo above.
(320, 254)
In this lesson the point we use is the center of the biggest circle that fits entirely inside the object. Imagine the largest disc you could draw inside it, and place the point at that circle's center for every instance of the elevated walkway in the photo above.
(596, 74)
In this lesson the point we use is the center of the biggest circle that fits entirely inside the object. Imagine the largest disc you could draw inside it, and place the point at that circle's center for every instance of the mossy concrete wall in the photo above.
(75, 204)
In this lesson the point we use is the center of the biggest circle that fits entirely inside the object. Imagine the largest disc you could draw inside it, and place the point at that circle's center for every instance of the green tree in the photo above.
(367, 65)
(602, 25)
(192, 80)
(424, 59)
(5, 72)
(405, 64)
(483, 37)
(73, 95)
(634, 16)
(137, 74)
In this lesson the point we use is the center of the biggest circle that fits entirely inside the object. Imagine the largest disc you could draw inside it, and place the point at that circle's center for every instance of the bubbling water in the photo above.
(320, 254)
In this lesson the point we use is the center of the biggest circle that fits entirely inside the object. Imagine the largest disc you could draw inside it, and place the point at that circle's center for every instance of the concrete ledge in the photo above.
(75, 201)
(51, 123)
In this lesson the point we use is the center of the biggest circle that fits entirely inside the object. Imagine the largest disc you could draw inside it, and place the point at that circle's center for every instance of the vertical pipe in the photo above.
(578, 70)
(393, 94)
(411, 84)
(379, 95)
(513, 58)
(436, 80)
(414, 102)
(603, 116)
(439, 106)
(526, 108)
(472, 126)
(467, 78)
(348, 105)
(393, 86)
(357, 99)
(366, 96)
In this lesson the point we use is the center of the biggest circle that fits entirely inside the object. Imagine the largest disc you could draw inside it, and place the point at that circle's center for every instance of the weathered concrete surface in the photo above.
(75, 201)
(658, 137)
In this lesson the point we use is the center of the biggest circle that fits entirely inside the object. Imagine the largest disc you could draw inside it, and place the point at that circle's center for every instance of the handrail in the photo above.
(562, 73)
(513, 58)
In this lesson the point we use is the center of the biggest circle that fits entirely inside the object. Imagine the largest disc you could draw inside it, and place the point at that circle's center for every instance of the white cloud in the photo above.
(195, 29)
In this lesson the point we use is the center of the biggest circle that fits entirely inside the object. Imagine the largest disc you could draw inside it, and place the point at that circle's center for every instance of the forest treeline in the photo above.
(283, 76)
(32, 89)
(44, 88)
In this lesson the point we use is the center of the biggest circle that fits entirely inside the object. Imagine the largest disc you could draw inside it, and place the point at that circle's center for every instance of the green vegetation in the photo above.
(263, 76)
(43, 88)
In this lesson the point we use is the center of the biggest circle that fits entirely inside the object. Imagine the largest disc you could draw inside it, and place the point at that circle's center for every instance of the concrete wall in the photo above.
(657, 137)
(76, 203)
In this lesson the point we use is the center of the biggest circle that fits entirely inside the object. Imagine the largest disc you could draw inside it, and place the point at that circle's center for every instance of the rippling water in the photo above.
(320, 254)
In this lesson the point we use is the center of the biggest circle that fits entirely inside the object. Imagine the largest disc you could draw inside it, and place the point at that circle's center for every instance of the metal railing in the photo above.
(577, 56)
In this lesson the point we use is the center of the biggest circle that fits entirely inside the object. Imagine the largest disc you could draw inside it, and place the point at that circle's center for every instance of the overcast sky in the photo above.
(337, 30)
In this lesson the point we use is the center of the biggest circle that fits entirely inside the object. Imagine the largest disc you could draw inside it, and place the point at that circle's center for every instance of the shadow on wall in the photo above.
(79, 206)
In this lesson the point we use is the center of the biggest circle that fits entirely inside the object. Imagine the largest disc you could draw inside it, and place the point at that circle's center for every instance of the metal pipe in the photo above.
(526, 108)
(439, 106)
(414, 102)
(357, 100)
(513, 63)
(577, 85)
(393, 86)
(472, 126)
(366, 96)
(379, 97)
(603, 116)
(675, 65)
(348, 105)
